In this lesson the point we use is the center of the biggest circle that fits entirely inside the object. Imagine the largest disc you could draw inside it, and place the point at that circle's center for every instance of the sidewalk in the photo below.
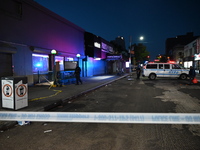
(43, 97)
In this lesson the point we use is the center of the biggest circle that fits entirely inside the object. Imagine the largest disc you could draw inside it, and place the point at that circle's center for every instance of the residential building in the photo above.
(192, 54)
(120, 58)
(178, 54)
(179, 40)
(119, 44)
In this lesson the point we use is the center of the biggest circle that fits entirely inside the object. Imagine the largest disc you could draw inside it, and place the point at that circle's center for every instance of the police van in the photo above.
(154, 70)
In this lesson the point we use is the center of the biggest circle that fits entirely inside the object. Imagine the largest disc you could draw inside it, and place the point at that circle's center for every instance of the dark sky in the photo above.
(156, 20)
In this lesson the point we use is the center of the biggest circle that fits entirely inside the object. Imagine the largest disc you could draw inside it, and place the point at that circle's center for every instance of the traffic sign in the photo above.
(7, 90)
(21, 90)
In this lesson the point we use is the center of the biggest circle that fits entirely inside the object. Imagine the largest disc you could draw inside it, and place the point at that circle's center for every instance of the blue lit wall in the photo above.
(95, 67)
(99, 67)
(90, 66)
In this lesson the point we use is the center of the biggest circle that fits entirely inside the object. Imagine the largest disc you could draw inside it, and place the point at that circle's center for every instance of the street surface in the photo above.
(144, 95)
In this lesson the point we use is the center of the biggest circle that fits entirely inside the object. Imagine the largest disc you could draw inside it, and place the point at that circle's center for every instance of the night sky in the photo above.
(156, 20)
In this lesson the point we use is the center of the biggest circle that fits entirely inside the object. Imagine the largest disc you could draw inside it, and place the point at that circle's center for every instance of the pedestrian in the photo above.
(77, 74)
(192, 74)
(138, 71)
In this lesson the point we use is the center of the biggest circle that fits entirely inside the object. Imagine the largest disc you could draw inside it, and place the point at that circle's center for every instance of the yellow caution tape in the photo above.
(57, 92)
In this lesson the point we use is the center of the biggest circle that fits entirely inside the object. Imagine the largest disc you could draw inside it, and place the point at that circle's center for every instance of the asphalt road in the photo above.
(159, 96)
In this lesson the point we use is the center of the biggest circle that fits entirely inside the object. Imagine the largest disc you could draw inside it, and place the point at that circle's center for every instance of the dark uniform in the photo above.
(138, 71)
(77, 75)
(192, 74)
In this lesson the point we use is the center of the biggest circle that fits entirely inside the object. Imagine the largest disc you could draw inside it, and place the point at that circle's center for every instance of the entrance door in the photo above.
(6, 65)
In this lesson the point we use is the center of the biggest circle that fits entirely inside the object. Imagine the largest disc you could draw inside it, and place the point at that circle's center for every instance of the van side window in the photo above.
(160, 66)
(151, 66)
(174, 66)
(167, 66)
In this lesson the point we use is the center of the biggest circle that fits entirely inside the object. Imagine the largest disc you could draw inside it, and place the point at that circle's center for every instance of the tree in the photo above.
(140, 52)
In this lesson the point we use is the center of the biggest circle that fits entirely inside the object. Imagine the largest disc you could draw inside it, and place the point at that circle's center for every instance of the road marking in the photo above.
(94, 117)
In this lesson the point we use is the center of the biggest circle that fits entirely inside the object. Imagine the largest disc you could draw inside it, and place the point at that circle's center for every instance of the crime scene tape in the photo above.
(94, 117)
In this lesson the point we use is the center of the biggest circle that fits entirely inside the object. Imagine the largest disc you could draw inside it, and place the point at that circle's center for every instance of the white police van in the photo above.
(153, 70)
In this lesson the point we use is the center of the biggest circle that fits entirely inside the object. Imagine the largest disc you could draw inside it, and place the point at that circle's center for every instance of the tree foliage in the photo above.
(140, 52)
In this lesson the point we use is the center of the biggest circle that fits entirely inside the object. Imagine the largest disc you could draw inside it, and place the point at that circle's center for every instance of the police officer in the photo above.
(138, 71)
(77, 74)
(192, 74)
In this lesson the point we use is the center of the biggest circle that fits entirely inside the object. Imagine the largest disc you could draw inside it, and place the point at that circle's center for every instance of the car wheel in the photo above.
(183, 77)
(152, 76)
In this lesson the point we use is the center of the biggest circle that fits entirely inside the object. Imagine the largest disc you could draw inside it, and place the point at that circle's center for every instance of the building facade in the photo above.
(170, 43)
(28, 34)
(96, 51)
(178, 54)
(192, 54)
(117, 62)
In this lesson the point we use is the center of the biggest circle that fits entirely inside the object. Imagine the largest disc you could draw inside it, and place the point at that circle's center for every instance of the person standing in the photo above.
(77, 74)
(138, 71)
(192, 74)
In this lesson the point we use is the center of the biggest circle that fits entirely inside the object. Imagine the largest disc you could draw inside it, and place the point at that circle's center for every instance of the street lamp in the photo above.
(54, 52)
(130, 56)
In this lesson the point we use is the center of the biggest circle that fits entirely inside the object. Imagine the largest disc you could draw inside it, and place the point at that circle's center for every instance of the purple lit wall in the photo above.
(103, 55)
(40, 27)
(26, 24)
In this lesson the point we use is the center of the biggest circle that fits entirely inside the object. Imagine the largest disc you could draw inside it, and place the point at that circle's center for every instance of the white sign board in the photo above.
(7, 94)
(21, 95)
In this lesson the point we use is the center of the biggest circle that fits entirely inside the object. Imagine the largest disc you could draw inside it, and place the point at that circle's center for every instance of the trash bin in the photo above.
(14, 92)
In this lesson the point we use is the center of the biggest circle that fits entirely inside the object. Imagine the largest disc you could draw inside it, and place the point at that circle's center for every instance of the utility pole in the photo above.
(130, 38)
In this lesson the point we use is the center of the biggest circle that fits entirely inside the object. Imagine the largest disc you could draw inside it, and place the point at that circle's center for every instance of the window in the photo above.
(161, 66)
(40, 63)
(151, 66)
(70, 65)
(60, 61)
(174, 66)
(167, 66)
